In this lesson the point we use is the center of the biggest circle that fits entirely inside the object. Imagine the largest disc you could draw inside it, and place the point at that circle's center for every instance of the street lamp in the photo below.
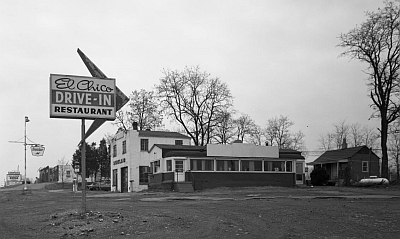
(26, 121)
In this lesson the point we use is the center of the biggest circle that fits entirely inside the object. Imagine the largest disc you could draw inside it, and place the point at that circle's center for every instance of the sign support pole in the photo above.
(83, 168)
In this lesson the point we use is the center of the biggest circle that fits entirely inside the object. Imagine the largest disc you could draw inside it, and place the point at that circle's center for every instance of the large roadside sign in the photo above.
(81, 97)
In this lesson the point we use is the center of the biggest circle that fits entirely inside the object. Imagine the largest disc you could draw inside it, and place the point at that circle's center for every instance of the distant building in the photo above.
(13, 178)
(59, 173)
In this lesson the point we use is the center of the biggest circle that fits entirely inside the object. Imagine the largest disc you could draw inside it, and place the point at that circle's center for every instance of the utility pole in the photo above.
(26, 121)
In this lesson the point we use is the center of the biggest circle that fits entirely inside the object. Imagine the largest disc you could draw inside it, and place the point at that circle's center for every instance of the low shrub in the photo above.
(319, 177)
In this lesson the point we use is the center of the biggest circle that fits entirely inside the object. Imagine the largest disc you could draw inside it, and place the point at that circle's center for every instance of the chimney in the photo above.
(134, 126)
(344, 144)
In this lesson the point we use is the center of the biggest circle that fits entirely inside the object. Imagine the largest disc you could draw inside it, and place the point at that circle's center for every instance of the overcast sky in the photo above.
(277, 57)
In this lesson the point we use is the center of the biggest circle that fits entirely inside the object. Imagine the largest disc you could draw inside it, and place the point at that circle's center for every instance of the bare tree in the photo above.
(224, 132)
(244, 126)
(122, 120)
(356, 134)
(370, 137)
(377, 43)
(257, 135)
(341, 131)
(62, 163)
(327, 141)
(278, 133)
(194, 100)
(144, 108)
(394, 148)
(297, 141)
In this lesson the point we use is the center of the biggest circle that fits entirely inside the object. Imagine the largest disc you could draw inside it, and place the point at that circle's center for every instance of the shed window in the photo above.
(365, 166)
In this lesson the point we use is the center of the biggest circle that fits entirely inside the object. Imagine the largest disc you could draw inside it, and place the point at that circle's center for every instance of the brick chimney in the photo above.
(135, 126)
(344, 144)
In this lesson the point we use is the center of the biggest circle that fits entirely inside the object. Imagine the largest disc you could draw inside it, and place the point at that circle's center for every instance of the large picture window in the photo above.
(202, 165)
(251, 165)
(227, 165)
(274, 166)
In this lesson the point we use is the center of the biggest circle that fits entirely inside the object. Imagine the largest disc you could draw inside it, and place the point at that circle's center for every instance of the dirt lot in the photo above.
(264, 212)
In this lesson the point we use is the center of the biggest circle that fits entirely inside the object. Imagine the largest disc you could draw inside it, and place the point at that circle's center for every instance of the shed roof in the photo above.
(333, 156)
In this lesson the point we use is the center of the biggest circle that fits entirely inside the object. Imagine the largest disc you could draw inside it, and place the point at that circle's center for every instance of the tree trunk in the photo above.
(384, 133)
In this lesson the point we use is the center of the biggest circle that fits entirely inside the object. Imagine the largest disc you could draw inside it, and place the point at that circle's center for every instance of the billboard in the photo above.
(81, 97)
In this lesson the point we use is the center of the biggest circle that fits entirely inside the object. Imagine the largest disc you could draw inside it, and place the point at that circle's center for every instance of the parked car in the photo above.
(105, 186)
(94, 186)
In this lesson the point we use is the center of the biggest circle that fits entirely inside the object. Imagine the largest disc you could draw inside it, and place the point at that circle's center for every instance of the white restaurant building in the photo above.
(157, 159)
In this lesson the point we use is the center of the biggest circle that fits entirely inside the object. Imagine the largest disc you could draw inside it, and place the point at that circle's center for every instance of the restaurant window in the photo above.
(124, 147)
(157, 166)
(274, 166)
(201, 165)
(227, 165)
(169, 165)
(144, 174)
(178, 142)
(114, 150)
(144, 144)
(289, 166)
(251, 165)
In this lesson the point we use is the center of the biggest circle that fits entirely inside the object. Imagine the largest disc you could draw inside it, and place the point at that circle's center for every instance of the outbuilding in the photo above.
(348, 165)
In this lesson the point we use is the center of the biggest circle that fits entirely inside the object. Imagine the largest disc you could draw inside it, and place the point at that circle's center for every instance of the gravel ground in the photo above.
(259, 212)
